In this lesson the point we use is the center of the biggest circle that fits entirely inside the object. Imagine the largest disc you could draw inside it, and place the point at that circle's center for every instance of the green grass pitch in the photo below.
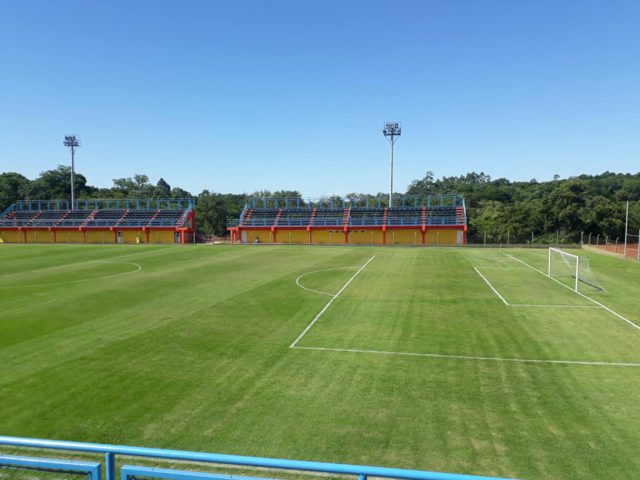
(417, 362)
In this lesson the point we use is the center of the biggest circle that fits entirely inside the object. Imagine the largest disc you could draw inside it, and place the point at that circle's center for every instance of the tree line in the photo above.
(499, 211)
(561, 210)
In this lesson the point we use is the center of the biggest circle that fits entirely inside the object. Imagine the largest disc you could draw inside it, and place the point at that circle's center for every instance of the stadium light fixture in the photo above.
(73, 142)
(391, 131)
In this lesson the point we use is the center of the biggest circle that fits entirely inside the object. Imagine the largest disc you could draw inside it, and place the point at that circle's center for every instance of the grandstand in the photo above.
(413, 220)
(99, 221)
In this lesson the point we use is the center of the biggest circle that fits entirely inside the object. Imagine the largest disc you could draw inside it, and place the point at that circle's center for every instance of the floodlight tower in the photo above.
(391, 131)
(73, 142)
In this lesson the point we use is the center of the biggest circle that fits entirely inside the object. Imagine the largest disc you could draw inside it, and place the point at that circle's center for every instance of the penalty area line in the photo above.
(328, 304)
(527, 305)
(553, 306)
(633, 324)
(475, 358)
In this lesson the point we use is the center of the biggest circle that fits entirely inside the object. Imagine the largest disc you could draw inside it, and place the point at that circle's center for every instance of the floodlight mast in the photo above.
(73, 142)
(391, 131)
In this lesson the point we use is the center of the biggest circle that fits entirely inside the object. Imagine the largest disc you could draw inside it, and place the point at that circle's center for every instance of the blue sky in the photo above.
(235, 96)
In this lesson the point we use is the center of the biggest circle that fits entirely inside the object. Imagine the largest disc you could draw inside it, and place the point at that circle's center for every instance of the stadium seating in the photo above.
(366, 216)
(419, 218)
(138, 218)
(328, 217)
(294, 217)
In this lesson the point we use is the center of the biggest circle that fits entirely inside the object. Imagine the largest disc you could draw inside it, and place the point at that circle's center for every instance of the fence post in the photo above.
(589, 239)
(581, 238)
(110, 466)
(597, 240)
(617, 244)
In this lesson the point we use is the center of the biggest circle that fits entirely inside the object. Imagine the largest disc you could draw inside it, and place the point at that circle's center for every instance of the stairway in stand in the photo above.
(275, 221)
(247, 216)
(313, 215)
(346, 216)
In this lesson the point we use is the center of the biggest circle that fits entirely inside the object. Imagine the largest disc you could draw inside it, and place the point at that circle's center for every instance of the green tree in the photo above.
(54, 184)
(11, 183)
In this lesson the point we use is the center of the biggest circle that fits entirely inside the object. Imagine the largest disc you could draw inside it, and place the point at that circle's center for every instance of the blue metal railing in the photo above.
(357, 201)
(91, 470)
(293, 222)
(110, 452)
(464, 209)
(108, 203)
(364, 221)
(6, 211)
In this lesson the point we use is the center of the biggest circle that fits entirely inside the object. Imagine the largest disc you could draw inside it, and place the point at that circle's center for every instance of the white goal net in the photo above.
(573, 267)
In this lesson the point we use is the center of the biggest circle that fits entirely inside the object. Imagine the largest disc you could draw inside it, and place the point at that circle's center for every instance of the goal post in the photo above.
(571, 265)
(565, 264)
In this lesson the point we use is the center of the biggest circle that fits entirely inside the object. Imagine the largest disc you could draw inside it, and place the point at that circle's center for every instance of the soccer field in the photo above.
(463, 360)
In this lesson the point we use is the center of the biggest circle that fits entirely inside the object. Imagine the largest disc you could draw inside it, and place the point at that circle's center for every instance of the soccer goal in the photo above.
(565, 264)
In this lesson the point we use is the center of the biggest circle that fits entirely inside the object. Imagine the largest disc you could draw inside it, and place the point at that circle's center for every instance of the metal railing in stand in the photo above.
(110, 452)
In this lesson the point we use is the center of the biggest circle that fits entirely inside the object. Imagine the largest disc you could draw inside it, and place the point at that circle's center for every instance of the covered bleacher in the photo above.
(435, 217)
(130, 221)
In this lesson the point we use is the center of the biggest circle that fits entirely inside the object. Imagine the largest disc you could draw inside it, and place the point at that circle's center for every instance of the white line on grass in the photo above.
(91, 279)
(317, 271)
(328, 304)
(476, 358)
(553, 306)
(491, 286)
(526, 304)
(635, 325)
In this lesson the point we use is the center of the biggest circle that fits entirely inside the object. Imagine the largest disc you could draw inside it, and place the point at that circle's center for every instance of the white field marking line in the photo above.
(475, 358)
(317, 271)
(503, 267)
(328, 304)
(82, 279)
(83, 262)
(553, 306)
(526, 304)
(633, 324)
(491, 286)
